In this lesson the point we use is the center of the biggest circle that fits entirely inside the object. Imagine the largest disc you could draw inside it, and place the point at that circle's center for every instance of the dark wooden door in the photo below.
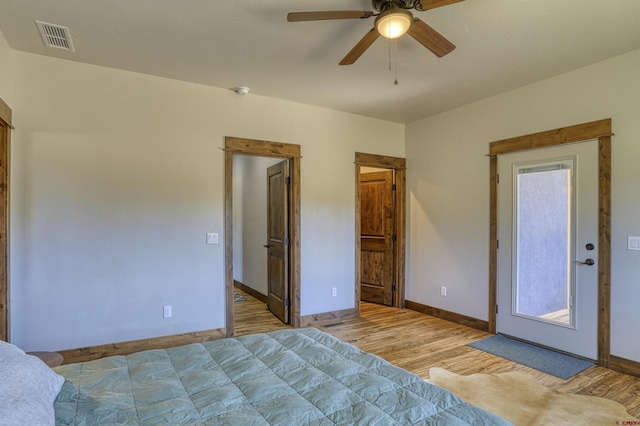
(278, 240)
(376, 233)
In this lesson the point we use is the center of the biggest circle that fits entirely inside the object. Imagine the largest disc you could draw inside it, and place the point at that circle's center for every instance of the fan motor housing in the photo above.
(382, 5)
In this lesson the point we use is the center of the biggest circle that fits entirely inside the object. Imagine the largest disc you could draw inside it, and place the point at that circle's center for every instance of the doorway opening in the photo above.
(277, 166)
(600, 130)
(260, 231)
(380, 229)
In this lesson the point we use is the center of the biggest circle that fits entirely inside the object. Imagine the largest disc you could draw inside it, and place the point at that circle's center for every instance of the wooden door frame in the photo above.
(291, 152)
(5, 144)
(600, 130)
(399, 166)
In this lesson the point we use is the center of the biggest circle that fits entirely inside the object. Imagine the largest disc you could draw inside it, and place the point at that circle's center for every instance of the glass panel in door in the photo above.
(543, 283)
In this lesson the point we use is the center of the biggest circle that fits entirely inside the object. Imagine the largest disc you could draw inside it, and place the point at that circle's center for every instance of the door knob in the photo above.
(266, 246)
(588, 262)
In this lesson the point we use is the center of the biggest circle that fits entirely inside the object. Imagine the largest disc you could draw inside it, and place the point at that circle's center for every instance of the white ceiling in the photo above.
(501, 45)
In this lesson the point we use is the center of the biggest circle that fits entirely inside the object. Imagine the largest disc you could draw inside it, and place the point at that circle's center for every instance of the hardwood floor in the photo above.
(417, 342)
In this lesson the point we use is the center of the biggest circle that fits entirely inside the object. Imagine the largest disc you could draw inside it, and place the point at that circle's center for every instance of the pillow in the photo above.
(28, 388)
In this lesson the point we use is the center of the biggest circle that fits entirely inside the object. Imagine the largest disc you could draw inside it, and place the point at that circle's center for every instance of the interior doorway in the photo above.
(377, 235)
(261, 231)
(380, 229)
(288, 265)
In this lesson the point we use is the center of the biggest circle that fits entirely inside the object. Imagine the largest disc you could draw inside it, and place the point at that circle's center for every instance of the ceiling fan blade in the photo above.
(329, 14)
(432, 4)
(430, 38)
(359, 48)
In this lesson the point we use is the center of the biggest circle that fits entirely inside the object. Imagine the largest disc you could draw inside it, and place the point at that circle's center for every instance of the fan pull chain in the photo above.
(395, 54)
(394, 43)
(395, 48)
(389, 50)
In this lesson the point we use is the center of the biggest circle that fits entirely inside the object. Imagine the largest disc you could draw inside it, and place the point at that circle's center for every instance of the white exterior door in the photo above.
(547, 247)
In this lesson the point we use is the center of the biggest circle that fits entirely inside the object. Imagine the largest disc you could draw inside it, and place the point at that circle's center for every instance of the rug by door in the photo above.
(541, 359)
(520, 399)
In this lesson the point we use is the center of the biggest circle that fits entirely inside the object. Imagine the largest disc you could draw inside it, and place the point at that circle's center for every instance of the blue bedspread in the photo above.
(288, 377)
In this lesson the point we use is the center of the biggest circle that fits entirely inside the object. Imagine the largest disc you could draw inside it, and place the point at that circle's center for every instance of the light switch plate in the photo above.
(633, 243)
(212, 238)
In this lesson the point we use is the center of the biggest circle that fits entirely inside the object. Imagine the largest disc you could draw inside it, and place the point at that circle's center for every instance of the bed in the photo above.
(286, 377)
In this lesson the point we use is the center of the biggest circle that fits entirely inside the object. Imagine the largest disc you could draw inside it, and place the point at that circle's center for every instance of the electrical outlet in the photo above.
(334, 291)
(633, 243)
(166, 312)
(443, 291)
(212, 238)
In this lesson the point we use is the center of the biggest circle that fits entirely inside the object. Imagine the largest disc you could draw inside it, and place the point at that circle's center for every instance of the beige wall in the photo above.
(118, 176)
(448, 186)
(5, 70)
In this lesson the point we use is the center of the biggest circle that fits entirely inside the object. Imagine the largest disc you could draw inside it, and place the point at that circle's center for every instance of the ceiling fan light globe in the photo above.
(393, 23)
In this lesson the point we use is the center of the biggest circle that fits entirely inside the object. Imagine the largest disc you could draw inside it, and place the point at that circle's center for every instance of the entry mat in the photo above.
(541, 359)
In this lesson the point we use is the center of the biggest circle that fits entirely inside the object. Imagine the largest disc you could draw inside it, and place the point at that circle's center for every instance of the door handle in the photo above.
(588, 262)
(266, 246)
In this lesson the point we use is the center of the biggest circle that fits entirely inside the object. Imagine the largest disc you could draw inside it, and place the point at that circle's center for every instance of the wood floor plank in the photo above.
(417, 342)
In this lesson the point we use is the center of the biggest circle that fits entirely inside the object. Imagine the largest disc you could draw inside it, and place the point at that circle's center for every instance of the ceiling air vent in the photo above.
(55, 36)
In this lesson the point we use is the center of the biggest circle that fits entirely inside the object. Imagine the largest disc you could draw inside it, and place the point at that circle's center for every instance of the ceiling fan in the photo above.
(393, 20)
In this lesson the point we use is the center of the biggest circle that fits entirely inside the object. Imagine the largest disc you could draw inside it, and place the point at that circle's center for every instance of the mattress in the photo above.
(286, 377)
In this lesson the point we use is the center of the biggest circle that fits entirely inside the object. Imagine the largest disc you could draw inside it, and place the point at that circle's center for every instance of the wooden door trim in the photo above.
(600, 130)
(5, 138)
(291, 152)
(399, 165)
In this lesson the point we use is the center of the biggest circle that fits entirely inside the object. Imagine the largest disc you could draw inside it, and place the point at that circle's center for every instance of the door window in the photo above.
(543, 280)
